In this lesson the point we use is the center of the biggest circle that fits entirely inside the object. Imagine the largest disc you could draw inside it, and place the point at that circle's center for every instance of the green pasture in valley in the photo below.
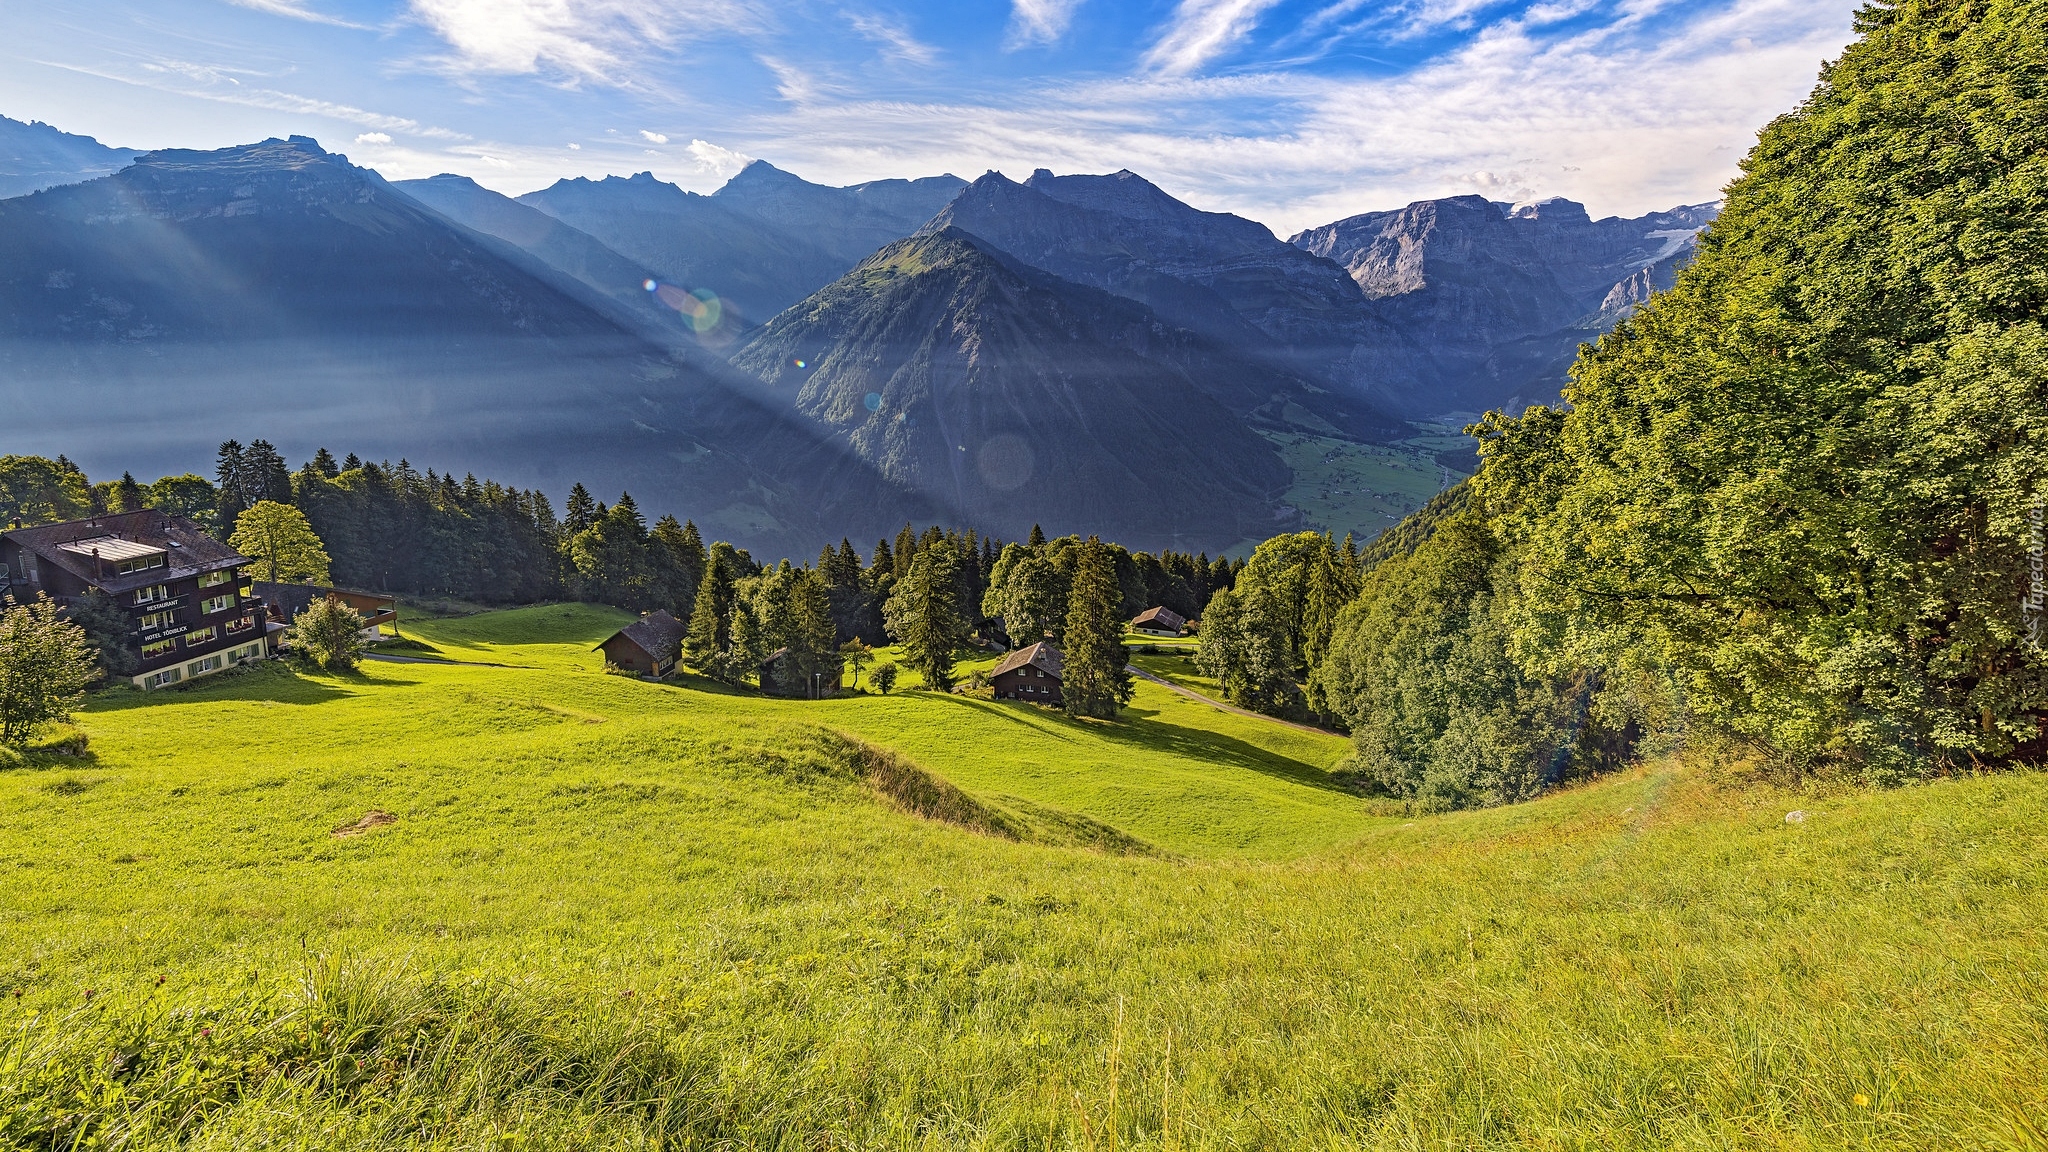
(455, 906)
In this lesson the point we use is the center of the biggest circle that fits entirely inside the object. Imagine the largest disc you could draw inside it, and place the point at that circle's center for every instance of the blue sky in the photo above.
(1292, 112)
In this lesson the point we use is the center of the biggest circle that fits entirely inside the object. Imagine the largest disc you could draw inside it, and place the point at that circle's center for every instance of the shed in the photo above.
(650, 645)
(1159, 622)
(1032, 673)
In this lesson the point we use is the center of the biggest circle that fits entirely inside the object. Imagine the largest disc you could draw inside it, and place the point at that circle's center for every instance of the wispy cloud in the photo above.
(653, 137)
(298, 11)
(594, 40)
(1580, 122)
(1039, 21)
(1201, 30)
(896, 41)
(221, 85)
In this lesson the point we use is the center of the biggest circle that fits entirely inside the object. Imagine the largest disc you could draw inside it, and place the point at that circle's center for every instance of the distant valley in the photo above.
(783, 360)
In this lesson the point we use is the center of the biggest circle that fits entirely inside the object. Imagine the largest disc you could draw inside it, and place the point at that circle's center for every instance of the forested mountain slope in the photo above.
(1023, 399)
(147, 316)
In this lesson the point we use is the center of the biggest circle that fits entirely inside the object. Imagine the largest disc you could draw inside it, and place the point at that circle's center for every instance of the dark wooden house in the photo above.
(650, 645)
(286, 601)
(1031, 673)
(182, 589)
(1159, 622)
(779, 678)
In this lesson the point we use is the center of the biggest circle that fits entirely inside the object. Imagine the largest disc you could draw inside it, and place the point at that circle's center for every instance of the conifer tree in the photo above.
(128, 495)
(923, 614)
(1037, 537)
(1096, 680)
(323, 463)
(710, 637)
(580, 511)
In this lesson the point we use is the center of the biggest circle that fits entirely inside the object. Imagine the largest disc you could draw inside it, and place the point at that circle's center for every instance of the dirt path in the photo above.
(1191, 694)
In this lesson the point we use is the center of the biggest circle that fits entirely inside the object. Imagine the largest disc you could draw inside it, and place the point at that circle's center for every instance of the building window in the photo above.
(153, 592)
(143, 564)
(242, 625)
(158, 648)
(202, 667)
(216, 604)
(198, 636)
(162, 679)
(214, 579)
(158, 621)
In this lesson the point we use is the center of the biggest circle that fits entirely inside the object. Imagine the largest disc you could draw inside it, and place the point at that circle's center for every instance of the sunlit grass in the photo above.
(612, 913)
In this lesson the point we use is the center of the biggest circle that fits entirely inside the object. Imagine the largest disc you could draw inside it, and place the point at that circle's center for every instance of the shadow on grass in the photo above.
(274, 682)
(1138, 729)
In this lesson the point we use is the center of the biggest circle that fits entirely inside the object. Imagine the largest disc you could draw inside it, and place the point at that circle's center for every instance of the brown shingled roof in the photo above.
(658, 634)
(1042, 655)
(187, 548)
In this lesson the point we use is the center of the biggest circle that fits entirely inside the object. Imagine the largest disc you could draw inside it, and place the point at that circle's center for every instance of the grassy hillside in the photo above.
(613, 914)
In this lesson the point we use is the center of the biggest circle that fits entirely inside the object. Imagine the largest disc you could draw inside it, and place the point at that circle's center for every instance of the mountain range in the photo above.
(782, 360)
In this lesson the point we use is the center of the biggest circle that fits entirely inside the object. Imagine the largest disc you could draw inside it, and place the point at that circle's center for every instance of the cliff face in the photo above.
(1496, 299)
(277, 290)
(35, 156)
(761, 243)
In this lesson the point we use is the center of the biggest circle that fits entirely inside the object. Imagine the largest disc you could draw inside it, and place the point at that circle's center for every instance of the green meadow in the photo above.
(452, 905)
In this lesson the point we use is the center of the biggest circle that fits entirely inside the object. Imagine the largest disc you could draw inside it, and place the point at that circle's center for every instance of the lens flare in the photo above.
(700, 306)
(801, 364)
(873, 401)
(649, 285)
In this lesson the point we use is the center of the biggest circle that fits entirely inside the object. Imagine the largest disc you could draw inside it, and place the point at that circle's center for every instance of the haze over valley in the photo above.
(780, 358)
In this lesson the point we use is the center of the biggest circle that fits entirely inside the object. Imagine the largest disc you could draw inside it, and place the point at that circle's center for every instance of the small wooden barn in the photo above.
(1031, 673)
(1159, 622)
(650, 645)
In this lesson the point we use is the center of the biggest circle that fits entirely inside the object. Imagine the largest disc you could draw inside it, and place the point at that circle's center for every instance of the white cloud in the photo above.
(723, 163)
(1039, 21)
(577, 39)
(1623, 122)
(896, 41)
(575, 147)
(297, 11)
(373, 138)
(1202, 30)
(653, 137)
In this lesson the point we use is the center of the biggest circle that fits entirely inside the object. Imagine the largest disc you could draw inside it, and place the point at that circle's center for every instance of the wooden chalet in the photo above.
(182, 589)
(1031, 673)
(286, 601)
(650, 645)
(779, 679)
(1159, 622)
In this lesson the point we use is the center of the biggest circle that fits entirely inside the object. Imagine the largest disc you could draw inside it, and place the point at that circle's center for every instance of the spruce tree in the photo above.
(1096, 680)
(231, 486)
(580, 511)
(128, 495)
(710, 635)
(924, 616)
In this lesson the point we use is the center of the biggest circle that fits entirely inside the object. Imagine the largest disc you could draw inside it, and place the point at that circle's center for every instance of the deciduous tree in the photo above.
(282, 544)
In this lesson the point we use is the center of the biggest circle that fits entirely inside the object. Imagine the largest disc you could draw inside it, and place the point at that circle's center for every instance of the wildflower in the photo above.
(1862, 1101)
(206, 1033)
(159, 981)
(88, 993)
